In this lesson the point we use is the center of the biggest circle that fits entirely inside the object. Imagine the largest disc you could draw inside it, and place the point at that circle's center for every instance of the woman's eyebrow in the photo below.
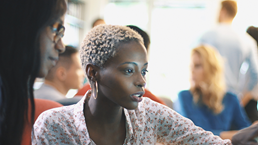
(132, 63)
(129, 63)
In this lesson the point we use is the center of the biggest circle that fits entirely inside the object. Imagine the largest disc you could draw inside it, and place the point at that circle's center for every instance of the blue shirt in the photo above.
(239, 51)
(201, 115)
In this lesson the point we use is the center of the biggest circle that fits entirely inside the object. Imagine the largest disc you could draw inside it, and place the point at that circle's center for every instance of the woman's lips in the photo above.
(137, 97)
(53, 60)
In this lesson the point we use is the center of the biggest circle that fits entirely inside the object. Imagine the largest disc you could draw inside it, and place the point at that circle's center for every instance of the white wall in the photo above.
(93, 9)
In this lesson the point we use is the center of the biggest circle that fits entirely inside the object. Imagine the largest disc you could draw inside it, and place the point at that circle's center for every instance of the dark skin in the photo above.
(121, 77)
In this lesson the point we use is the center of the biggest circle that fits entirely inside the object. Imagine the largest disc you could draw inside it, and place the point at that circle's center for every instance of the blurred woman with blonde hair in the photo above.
(207, 103)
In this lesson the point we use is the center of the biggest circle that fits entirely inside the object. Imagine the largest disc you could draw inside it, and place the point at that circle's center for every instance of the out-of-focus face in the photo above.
(222, 15)
(122, 80)
(99, 22)
(196, 69)
(48, 49)
(75, 75)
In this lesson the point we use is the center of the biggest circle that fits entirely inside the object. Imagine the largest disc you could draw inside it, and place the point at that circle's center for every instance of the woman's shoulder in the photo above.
(149, 109)
(56, 113)
(148, 104)
(230, 98)
(146, 101)
(185, 95)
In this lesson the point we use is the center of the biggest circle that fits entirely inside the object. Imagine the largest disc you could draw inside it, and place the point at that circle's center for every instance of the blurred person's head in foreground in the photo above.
(67, 74)
(31, 35)
(97, 22)
(253, 31)
(207, 80)
(228, 11)
(145, 36)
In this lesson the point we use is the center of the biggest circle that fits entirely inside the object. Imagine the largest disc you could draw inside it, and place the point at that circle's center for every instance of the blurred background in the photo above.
(174, 27)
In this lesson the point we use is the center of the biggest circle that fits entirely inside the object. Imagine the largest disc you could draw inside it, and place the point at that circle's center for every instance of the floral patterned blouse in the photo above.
(151, 122)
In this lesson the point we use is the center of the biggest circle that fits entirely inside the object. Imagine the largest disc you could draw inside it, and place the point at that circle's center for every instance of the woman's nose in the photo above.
(141, 82)
(141, 85)
(60, 46)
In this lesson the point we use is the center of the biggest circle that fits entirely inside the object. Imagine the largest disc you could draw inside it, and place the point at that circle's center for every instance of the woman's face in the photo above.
(48, 49)
(197, 71)
(122, 79)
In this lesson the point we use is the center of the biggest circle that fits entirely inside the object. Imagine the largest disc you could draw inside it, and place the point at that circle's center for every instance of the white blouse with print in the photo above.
(151, 122)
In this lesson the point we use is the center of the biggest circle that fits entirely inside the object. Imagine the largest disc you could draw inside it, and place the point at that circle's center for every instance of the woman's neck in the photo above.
(105, 121)
(103, 112)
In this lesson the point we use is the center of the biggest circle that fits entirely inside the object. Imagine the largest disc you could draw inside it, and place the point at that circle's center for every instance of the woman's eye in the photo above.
(144, 72)
(128, 71)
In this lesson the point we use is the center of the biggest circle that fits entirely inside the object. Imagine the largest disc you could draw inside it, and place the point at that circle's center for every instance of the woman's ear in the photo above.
(92, 72)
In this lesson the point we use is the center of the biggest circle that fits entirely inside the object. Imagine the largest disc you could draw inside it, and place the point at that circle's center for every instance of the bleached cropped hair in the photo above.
(101, 43)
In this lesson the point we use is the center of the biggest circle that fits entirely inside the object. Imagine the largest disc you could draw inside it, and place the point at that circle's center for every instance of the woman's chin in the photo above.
(132, 106)
(42, 73)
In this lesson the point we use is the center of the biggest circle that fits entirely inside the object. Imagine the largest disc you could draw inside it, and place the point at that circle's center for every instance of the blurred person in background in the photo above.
(31, 33)
(250, 99)
(207, 103)
(146, 40)
(145, 36)
(239, 50)
(253, 31)
(65, 75)
(98, 21)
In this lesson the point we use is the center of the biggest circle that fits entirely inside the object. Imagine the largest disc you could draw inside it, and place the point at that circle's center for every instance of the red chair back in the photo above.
(41, 105)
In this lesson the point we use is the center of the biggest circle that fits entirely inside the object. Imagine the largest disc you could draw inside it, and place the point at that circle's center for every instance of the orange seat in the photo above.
(41, 105)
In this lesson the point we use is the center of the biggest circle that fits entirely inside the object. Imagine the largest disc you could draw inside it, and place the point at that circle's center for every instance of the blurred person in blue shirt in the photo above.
(207, 103)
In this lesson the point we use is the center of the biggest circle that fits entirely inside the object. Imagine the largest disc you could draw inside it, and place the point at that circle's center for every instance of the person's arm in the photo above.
(224, 134)
(247, 97)
(250, 95)
(247, 136)
(254, 92)
(228, 134)
(172, 128)
(184, 131)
